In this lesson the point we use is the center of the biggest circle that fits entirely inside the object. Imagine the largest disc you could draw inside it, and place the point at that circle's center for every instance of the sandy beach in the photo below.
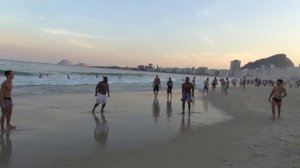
(58, 130)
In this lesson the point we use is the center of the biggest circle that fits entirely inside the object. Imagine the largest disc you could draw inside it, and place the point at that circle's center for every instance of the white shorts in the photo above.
(101, 99)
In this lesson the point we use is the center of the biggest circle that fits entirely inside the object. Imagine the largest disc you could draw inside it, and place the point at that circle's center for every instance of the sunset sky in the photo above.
(167, 33)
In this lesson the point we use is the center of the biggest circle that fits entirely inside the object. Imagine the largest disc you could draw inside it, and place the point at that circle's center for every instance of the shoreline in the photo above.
(155, 139)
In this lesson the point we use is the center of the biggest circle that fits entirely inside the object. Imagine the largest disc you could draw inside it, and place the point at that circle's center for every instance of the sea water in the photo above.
(48, 78)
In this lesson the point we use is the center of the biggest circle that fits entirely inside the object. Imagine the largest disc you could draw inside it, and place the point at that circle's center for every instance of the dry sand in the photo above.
(58, 131)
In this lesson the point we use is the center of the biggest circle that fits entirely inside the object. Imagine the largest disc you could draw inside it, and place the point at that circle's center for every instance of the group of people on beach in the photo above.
(102, 93)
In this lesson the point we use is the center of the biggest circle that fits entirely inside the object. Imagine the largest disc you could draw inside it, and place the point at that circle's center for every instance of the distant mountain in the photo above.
(82, 65)
(277, 61)
(65, 62)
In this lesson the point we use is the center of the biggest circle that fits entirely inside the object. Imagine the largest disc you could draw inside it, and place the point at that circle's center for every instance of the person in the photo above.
(227, 84)
(222, 81)
(156, 85)
(187, 94)
(68, 76)
(214, 83)
(244, 82)
(6, 101)
(277, 94)
(194, 81)
(101, 90)
(170, 87)
(206, 83)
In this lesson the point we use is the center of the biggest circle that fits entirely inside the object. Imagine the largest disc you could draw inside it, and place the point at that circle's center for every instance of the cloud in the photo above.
(82, 44)
(65, 32)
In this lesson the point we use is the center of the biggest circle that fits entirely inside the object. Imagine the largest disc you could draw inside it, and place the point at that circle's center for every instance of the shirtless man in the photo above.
(6, 101)
(100, 92)
(277, 94)
(187, 94)
(170, 87)
(156, 85)
(194, 81)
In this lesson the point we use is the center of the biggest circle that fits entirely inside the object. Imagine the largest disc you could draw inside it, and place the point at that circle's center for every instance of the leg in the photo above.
(8, 125)
(273, 109)
(96, 104)
(183, 107)
(189, 105)
(102, 108)
(279, 109)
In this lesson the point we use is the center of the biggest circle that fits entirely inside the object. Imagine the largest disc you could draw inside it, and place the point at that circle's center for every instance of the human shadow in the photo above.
(6, 149)
(101, 130)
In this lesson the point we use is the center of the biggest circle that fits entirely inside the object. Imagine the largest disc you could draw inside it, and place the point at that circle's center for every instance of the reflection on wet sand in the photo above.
(155, 109)
(185, 126)
(102, 129)
(169, 109)
(6, 149)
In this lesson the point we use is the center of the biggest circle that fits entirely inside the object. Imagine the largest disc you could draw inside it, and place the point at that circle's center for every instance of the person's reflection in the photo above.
(6, 149)
(155, 109)
(101, 130)
(169, 109)
(185, 127)
(205, 105)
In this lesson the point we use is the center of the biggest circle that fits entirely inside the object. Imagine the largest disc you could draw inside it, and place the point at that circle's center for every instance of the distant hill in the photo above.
(277, 61)
(65, 62)
(82, 64)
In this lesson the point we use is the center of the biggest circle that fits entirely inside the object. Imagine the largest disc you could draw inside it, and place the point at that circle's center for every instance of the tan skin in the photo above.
(6, 89)
(156, 82)
(278, 93)
(187, 88)
(102, 88)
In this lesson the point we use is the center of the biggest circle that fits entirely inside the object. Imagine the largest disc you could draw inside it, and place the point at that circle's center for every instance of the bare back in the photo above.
(102, 88)
(187, 88)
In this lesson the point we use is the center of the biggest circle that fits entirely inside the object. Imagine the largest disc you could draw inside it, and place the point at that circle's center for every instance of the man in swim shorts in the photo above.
(101, 90)
(187, 94)
(6, 101)
(170, 87)
(277, 94)
(156, 85)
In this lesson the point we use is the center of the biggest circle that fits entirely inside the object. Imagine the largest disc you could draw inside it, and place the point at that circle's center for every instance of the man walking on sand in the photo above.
(187, 94)
(100, 92)
(156, 85)
(6, 101)
(277, 94)
(170, 87)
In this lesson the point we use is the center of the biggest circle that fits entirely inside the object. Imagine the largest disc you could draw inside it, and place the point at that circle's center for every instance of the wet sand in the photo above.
(59, 131)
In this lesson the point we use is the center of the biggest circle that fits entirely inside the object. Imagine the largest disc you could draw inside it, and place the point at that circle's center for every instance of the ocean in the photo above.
(43, 78)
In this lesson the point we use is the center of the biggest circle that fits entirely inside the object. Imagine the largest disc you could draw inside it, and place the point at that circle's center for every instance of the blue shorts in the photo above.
(187, 97)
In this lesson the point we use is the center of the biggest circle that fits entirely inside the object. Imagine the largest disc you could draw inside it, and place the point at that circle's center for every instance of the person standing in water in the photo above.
(6, 101)
(101, 90)
(194, 81)
(156, 85)
(206, 83)
(214, 83)
(277, 94)
(170, 87)
(187, 94)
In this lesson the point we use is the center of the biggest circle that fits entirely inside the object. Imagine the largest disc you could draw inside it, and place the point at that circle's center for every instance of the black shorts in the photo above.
(169, 90)
(156, 88)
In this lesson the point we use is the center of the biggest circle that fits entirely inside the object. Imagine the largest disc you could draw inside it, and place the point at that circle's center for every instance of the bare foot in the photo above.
(182, 113)
(10, 127)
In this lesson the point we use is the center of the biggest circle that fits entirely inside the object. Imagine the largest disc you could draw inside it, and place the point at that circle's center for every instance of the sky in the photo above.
(167, 33)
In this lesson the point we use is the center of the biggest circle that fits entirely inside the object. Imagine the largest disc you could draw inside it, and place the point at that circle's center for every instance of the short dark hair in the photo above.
(6, 73)
(105, 78)
(280, 81)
